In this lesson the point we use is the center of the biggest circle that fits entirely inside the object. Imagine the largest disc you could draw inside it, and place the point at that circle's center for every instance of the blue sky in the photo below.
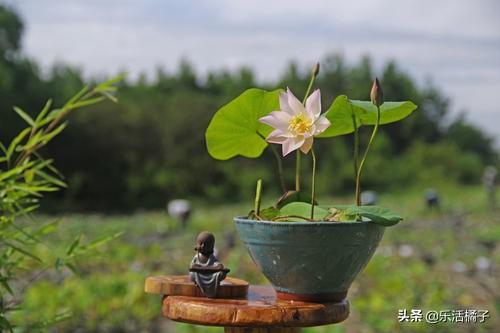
(454, 43)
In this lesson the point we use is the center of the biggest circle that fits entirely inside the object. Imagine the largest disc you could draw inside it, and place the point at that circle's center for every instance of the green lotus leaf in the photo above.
(340, 115)
(376, 214)
(269, 213)
(293, 196)
(390, 112)
(342, 111)
(235, 128)
(303, 209)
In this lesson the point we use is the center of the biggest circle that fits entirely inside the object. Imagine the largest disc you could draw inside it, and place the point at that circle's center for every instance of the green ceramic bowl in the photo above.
(310, 261)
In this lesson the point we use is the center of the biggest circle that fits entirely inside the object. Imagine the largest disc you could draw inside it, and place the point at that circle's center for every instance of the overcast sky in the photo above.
(456, 43)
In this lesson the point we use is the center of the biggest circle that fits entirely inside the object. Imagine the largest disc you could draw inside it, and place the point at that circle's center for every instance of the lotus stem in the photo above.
(314, 73)
(356, 158)
(297, 170)
(360, 169)
(258, 197)
(280, 168)
(313, 182)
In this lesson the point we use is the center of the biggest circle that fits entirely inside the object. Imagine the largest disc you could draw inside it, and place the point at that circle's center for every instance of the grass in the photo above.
(429, 261)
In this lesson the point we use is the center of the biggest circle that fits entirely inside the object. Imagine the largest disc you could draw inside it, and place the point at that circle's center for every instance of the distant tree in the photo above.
(11, 30)
(470, 138)
(425, 124)
(20, 80)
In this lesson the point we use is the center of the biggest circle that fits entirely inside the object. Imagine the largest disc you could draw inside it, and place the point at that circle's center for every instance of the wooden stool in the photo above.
(259, 312)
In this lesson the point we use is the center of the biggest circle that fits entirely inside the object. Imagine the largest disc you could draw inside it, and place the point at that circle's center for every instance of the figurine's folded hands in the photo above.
(208, 269)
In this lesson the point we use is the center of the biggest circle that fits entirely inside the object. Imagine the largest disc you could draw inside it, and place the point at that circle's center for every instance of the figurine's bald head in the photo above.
(205, 243)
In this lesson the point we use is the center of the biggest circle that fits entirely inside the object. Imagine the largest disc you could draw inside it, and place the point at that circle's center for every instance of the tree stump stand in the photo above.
(256, 310)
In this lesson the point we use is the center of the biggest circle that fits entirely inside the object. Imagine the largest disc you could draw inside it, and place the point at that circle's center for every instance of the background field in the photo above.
(427, 262)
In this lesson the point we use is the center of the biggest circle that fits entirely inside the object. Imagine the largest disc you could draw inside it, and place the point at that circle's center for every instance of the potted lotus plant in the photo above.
(308, 251)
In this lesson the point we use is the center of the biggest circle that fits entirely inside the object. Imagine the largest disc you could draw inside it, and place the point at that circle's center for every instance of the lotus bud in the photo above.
(315, 69)
(377, 95)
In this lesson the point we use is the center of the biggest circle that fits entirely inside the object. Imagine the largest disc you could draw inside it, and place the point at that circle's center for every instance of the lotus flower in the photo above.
(296, 125)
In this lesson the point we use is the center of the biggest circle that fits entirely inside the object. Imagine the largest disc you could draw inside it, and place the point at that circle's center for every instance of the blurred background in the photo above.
(125, 162)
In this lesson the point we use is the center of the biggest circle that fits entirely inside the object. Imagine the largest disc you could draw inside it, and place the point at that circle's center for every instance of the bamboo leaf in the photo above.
(32, 142)
(87, 102)
(51, 116)
(23, 251)
(76, 97)
(50, 178)
(17, 140)
(46, 138)
(47, 228)
(110, 96)
(15, 171)
(24, 232)
(3, 148)
(25, 116)
(108, 85)
(99, 241)
(74, 245)
(44, 111)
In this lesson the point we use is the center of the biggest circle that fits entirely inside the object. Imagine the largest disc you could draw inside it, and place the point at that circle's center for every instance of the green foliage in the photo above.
(301, 211)
(439, 163)
(343, 110)
(390, 112)
(295, 210)
(269, 213)
(235, 128)
(24, 177)
(293, 196)
(469, 138)
(11, 29)
(376, 214)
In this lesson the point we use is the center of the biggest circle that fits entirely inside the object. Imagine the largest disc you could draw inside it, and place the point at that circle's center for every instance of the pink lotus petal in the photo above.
(309, 134)
(284, 104)
(291, 144)
(307, 145)
(321, 125)
(294, 103)
(313, 104)
(277, 119)
(278, 136)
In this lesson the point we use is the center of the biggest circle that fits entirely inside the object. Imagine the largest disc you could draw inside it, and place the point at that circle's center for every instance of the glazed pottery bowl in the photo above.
(310, 261)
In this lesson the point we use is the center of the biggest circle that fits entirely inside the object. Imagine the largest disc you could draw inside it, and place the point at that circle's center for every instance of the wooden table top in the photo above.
(181, 285)
(261, 308)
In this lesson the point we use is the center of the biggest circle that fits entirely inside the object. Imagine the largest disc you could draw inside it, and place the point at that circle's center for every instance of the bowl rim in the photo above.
(246, 220)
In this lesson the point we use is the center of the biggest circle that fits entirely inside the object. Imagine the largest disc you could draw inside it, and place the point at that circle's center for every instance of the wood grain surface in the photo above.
(261, 309)
(181, 285)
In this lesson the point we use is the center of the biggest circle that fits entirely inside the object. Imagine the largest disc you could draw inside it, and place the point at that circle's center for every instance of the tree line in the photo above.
(150, 147)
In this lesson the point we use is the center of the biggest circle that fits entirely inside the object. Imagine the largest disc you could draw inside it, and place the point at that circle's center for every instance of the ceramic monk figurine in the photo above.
(205, 270)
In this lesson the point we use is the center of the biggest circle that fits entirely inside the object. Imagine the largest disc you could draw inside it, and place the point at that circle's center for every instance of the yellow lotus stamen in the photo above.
(300, 124)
